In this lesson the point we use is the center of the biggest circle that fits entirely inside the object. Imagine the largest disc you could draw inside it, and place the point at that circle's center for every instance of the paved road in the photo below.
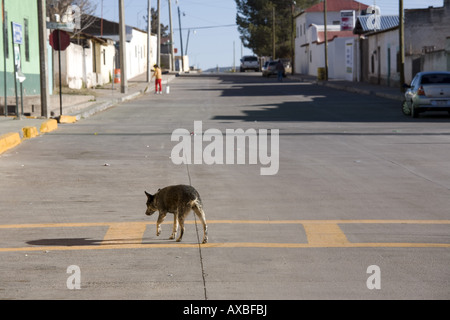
(357, 197)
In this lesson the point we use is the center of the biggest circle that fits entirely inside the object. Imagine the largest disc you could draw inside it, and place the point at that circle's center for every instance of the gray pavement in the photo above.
(359, 185)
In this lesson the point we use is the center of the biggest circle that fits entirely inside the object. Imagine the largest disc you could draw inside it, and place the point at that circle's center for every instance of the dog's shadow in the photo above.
(71, 242)
(65, 242)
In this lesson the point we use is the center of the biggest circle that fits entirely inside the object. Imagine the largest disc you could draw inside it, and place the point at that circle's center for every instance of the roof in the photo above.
(365, 24)
(110, 29)
(338, 5)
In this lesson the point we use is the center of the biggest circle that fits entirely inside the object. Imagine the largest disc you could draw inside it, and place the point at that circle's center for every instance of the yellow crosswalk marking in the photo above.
(325, 234)
(319, 234)
(125, 232)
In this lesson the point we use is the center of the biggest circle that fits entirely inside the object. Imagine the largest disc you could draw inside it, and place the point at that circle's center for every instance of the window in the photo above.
(27, 40)
(435, 79)
(372, 64)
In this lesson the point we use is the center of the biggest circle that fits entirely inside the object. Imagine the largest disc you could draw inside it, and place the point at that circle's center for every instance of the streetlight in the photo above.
(187, 42)
(181, 37)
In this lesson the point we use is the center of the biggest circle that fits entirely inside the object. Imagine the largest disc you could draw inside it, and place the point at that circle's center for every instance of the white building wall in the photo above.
(383, 49)
(107, 58)
(137, 53)
(77, 65)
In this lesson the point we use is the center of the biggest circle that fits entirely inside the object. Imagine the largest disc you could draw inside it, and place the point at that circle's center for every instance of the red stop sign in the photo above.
(59, 40)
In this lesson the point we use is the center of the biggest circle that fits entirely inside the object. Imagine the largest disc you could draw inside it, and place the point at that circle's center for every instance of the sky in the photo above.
(213, 38)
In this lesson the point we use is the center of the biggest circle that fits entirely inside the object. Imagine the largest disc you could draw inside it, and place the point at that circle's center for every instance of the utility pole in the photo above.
(402, 45)
(158, 42)
(181, 40)
(5, 43)
(172, 58)
(234, 56)
(326, 38)
(149, 41)
(123, 56)
(292, 38)
(273, 32)
(43, 60)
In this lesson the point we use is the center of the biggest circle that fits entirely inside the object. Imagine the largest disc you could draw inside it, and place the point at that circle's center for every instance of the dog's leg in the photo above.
(201, 214)
(181, 222)
(175, 227)
(161, 217)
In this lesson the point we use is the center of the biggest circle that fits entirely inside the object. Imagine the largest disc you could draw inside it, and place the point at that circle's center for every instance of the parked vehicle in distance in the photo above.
(429, 91)
(270, 68)
(287, 65)
(249, 63)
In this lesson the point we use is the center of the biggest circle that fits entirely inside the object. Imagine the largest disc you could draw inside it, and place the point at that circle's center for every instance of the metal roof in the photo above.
(371, 23)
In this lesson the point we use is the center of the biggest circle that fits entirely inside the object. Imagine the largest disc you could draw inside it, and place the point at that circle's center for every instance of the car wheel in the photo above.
(406, 109)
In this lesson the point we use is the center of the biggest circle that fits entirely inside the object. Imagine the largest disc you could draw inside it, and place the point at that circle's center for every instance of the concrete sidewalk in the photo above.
(75, 107)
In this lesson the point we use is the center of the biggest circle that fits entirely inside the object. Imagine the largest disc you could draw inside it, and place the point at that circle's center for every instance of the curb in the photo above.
(67, 119)
(9, 140)
(49, 126)
(29, 132)
(101, 106)
(349, 88)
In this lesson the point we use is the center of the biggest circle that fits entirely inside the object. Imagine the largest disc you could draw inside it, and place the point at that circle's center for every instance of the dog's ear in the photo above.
(148, 194)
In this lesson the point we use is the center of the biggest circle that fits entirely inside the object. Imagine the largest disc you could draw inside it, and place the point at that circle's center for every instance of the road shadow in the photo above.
(296, 101)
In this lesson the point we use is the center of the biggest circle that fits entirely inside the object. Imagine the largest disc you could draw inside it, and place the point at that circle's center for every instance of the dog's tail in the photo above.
(195, 203)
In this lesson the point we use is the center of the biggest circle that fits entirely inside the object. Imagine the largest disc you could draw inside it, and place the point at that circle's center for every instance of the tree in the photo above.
(164, 29)
(63, 10)
(255, 22)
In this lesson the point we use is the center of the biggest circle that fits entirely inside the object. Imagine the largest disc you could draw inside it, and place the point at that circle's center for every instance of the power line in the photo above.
(209, 27)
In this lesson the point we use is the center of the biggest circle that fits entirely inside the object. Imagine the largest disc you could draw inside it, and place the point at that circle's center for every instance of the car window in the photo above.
(436, 79)
(250, 59)
(415, 81)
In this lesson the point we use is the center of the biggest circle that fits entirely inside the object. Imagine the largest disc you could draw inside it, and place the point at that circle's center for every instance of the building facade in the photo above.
(426, 40)
(310, 37)
(22, 12)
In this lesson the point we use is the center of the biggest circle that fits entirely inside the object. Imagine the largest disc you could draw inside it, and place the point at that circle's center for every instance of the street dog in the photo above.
(179, 200)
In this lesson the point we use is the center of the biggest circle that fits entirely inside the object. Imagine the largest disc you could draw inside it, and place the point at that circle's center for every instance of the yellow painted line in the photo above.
(225, 245)
(309, 222)
(55, 225)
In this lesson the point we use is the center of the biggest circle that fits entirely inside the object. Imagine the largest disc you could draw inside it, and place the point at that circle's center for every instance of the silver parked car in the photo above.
(429, 91)
(249, 63)
(270, 68)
